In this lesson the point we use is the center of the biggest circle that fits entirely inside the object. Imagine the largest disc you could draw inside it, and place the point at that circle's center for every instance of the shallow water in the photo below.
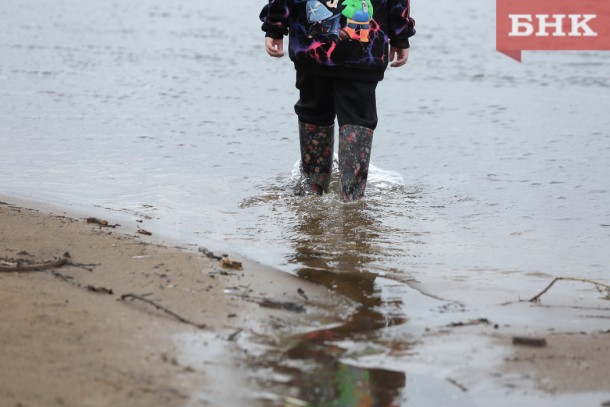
(491, 177)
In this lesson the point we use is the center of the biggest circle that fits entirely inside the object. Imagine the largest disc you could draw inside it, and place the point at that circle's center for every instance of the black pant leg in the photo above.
(355, 103)
(316, 102)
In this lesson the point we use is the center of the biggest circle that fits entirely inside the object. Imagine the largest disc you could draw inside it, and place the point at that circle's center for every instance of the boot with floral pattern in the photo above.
(316, 158)
(354, 155)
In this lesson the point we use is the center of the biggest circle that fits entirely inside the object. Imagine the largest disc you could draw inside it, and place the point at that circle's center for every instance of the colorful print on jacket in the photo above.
(340, 33)
(358, 14)
(324, 19)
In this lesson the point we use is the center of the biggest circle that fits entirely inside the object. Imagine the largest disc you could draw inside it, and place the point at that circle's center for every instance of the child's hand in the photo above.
(274, 48)
(399, 56)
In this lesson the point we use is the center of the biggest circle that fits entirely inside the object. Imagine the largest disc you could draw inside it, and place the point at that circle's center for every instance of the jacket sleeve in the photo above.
(275, 18)
(401, 25)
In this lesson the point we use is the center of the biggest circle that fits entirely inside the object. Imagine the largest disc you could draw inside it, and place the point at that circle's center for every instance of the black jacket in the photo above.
(347, 38)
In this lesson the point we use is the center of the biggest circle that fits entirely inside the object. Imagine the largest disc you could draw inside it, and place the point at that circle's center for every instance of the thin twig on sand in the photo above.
(67, 279)
(37, 267)
(284, 305)
(457, 384)
(601, 287)
(161, 308)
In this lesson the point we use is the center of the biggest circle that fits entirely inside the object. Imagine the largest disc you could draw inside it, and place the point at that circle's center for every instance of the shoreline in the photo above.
(71, 329)
(68, 334)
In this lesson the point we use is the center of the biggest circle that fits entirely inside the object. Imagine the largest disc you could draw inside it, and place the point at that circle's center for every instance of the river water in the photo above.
(489, 177)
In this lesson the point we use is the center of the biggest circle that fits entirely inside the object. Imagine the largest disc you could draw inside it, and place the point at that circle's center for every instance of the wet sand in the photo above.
(66, 340)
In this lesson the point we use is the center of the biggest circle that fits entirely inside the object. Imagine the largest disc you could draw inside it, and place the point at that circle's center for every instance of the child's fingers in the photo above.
(279, 47)
(274, 48)
(399, 56)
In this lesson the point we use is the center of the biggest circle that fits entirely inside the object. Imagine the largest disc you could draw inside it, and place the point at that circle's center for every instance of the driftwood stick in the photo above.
(161, 308)
(600, 286)
(67, 279)
(37, 267)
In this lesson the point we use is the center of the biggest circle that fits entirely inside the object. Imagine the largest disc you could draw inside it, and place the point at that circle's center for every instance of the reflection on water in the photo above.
(333, 246)
(341, 385)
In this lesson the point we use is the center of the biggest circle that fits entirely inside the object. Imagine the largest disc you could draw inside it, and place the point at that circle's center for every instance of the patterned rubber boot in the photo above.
(354, 155)
(316, 158)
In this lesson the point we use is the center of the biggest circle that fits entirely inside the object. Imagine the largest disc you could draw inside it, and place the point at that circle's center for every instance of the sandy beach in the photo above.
(69, 339)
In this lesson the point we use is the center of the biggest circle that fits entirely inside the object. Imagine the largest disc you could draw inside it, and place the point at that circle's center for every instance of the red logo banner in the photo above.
(551, 25)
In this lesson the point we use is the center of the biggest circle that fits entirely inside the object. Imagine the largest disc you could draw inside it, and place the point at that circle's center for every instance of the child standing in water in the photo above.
(340, 49)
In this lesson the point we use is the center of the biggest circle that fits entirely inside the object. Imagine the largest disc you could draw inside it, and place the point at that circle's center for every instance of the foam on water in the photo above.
(378, 178)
